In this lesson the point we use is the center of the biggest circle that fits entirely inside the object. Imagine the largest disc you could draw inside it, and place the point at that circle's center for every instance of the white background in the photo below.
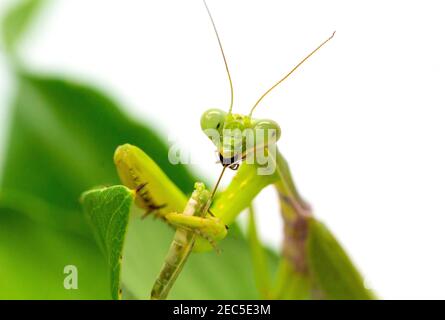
(362, 121)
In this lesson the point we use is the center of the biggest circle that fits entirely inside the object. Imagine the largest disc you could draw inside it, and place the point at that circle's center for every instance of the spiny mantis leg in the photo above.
(190, 223)
(181, 245)
(211, 228)
(157, 194)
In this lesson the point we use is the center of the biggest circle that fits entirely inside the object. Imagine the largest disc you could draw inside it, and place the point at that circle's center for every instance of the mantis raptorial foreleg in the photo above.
(209, 228)
(156, 194)
(183, 241)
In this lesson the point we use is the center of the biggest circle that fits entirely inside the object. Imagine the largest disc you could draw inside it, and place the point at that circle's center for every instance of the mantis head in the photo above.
(235, 135)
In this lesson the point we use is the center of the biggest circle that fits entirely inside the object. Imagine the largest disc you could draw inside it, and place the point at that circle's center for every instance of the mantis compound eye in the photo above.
(213, 119)
(266, 132)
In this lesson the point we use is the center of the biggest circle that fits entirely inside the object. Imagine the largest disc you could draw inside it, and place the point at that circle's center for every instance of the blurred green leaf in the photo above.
(33, 257)
(16, 21)
(331, 267)
(259, 257)
(291, 285)
(108, 210)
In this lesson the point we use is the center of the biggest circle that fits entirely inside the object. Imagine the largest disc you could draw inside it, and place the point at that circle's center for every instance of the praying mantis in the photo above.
(245, 144)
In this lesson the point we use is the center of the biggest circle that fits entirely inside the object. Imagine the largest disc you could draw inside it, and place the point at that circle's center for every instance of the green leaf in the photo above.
(33, 257)
(331, 267)
(108, 210)
(16, 22)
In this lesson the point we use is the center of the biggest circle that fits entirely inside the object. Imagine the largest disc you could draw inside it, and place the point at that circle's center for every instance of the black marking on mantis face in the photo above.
(232, 163)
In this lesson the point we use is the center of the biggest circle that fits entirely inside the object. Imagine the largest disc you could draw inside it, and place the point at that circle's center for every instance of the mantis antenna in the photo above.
(207, 207)
(231, 100)
(287, 75)
(223, 55)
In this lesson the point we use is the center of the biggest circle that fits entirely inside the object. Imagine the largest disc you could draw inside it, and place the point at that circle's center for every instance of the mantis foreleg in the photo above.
(182, 244)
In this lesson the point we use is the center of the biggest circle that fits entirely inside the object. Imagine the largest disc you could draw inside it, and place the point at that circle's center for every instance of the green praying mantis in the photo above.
(245, 144)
